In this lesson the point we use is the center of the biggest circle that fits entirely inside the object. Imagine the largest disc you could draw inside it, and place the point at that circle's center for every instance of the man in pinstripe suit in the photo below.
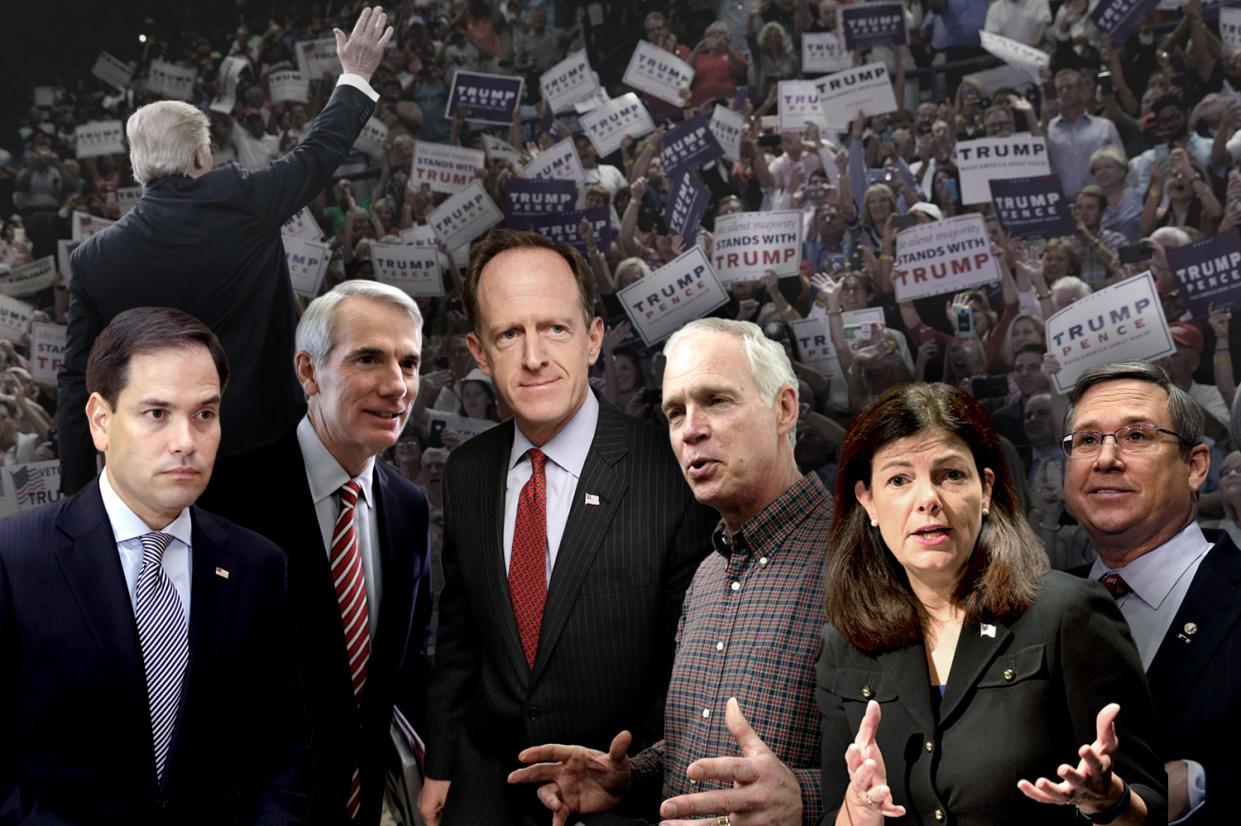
(569, 541)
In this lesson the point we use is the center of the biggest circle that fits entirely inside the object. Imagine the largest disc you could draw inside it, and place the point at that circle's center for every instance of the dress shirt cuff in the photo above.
(358, 82)
(647, 762)
(1196, 779)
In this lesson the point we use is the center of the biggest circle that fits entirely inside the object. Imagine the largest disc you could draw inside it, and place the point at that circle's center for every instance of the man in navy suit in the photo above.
(148, 659)
(358, 348)
(1135, 464)
(207, 241)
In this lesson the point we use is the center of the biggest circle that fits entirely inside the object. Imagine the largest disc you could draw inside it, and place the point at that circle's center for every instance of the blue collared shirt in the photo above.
(566, 453)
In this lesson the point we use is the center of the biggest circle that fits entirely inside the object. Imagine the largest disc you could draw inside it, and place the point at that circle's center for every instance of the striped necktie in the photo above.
(351, 596)
(165, 644)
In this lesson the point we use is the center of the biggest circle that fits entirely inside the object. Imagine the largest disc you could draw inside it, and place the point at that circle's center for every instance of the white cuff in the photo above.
(358, 82)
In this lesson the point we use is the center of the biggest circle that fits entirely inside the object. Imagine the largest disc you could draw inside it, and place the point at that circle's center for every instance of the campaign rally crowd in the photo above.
(447, 278)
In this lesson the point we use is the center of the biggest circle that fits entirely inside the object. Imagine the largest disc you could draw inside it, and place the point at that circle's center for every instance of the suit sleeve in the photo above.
(277, 191)
(77, 451)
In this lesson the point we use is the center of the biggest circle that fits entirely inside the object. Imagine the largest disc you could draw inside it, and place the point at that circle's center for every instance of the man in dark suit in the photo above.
(1136, 463)
(357, 358)
(149, 669)
(208, 242)
(569, 540)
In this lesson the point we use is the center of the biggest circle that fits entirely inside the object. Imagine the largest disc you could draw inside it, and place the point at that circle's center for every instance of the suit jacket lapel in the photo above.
(974, 653)
(905, 672)
(1213, 606)
(488, 498)
(586, 528)
(396, 564)
(92, 565)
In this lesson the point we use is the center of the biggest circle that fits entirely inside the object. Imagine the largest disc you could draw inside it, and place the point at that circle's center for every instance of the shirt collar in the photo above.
(569, 447)
(128, 525)
(323, 472)
(1153, 574)
(768, 528)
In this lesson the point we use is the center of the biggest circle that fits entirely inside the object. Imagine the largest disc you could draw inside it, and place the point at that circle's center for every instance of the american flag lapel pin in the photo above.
(987, 630)
(592, 499)
(221, 572)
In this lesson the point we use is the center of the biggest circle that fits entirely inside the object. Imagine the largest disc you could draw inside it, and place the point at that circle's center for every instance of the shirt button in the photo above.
(719, 646)
(762, 560)
(706, 712)
(736, 586)
(928, 745)
(939, 815)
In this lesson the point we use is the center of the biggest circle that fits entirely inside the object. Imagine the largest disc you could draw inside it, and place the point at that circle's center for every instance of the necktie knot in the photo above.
(153, 546)
(349, 494)
(1115, 584)
(537, 460)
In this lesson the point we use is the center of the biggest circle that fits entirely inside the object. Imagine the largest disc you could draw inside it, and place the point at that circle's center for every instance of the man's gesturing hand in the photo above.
(577, 780)
(361, 52)
(763, 791)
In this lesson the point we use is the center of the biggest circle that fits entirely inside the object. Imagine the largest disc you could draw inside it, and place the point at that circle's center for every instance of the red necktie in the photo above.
(351, 594)
(1115, 584)
(527, 570)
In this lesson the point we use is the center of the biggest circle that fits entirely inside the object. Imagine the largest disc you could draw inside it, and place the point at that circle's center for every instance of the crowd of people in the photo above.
(1144, 135)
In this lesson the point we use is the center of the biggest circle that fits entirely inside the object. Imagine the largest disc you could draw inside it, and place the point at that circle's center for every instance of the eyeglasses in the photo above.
(1133, 438)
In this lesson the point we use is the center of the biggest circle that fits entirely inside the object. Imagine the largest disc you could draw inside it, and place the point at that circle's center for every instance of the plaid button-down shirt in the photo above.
(750, 629)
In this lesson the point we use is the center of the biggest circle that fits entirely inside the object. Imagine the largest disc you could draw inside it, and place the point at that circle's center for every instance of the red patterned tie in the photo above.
(527, 570)
(1115, 584)
(351, 594)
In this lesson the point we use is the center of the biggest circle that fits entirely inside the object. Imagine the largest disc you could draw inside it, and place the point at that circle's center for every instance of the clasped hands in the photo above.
(578, 780)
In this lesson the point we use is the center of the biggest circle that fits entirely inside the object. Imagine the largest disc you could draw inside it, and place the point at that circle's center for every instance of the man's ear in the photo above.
(787, 411)
(306, 374)
(99, 416)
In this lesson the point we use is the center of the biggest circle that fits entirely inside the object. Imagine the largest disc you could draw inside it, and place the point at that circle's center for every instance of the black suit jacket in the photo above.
(209, 246)
(341, 732)
(607, 635)
(75, 729)
(1195, 679)
(1018, 704)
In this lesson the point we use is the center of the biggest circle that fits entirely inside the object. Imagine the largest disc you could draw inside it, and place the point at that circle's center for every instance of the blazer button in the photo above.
(1009, 674)
(533, 712)
(867, 692)
(928, 746)
(939, 815)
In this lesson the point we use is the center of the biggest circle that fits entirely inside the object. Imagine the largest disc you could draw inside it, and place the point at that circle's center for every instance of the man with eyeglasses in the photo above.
(1135, 464)
(1172, 131)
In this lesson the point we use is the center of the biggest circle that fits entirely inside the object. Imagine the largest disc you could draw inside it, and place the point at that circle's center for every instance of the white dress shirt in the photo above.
(129, 529)
(326, 478)
(566, 455)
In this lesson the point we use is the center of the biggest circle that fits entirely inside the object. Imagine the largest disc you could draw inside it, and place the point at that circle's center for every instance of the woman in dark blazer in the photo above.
(989, 672)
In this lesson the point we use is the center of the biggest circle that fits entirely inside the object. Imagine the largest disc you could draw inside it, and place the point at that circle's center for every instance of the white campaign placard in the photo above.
(943, 257)
(557, 163)
(678, 292)
(465, 216)
(727, 126)
(597, 98)
(171, 80)
(823, 52)
(47, 347)
(64, 246)
(226, 84)
(866, 89)
(1230, 27)
(99, 137)
(112, 71)
(308, 261)
(1000, 77)
(14, 318)
(302, 224)
(986, 159)
(127, 197)
(314, 57)
(34, 484)
(799, 104)
(814, 345)
(466, 427)
(747, 244)
(568, 81)
(415, 270)
(29, 278)
(288, 85)
(658, 73)
(496, 149)
(608, 124)
(83, 225)
(421, 235)
(445, 167)
(1015, 53)
(1123, 322)
(372, 137)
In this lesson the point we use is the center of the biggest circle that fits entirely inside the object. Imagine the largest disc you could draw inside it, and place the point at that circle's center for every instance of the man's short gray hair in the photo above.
(769, 364)
(316, 332)
(163, 137)
(1187, 417)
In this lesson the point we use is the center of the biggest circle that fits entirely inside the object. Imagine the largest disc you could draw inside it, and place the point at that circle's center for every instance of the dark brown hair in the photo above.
(869, 600)
(503, 240)
(145, 330)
